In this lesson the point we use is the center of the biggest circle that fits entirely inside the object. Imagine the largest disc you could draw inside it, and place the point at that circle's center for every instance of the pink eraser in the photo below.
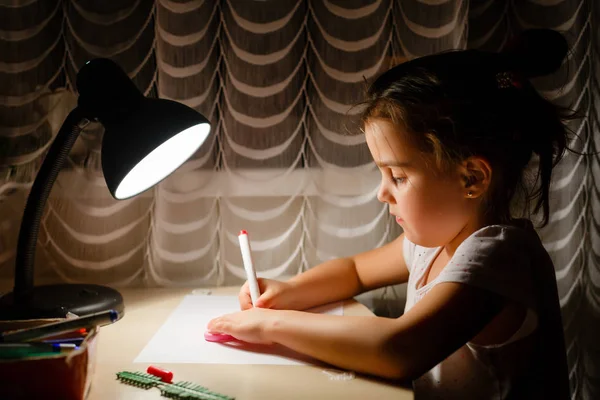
(243, 232)
(218, 337)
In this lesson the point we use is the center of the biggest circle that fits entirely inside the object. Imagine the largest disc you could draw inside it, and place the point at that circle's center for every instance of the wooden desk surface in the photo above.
(147, 309)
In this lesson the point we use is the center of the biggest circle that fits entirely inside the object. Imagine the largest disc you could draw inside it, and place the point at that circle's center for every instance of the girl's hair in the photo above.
(458, 104)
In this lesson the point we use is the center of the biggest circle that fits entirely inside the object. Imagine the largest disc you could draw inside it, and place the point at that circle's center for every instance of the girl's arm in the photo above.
(347, 277)
(449, 316)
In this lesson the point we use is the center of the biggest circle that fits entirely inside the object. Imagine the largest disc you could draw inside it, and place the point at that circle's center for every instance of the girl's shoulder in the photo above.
(488, 240)
(502, 258)
(513, 237)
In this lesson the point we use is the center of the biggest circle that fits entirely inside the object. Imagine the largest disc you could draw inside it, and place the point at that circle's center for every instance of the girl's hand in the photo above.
(274, 294)
(248, 326)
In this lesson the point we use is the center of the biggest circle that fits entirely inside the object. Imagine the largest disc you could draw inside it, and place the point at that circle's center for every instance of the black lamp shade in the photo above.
(144, 139)
(150, 143)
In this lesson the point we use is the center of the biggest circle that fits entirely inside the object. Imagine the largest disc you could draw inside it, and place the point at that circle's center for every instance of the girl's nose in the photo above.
(383, 194)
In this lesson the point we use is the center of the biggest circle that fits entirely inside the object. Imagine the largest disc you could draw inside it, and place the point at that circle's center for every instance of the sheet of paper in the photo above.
(181, 338)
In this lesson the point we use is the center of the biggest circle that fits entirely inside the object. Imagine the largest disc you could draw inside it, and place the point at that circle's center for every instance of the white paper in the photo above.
(181, 338)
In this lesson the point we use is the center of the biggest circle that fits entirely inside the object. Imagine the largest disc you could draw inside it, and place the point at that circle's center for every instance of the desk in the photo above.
(147, 309)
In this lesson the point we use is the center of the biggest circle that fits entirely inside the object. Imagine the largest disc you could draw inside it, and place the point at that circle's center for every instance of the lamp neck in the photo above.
(36, 201)
(105, 91)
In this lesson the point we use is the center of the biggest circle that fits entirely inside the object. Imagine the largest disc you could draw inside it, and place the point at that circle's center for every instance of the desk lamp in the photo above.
(144, 141)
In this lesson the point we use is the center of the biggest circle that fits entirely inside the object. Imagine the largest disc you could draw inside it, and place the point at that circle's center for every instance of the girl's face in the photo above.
(431, 206)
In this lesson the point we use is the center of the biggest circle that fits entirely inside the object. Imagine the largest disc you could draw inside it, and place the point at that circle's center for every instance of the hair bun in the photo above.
(536, 52)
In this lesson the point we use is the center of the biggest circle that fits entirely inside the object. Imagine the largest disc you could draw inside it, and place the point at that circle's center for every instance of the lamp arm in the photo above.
(36, 201)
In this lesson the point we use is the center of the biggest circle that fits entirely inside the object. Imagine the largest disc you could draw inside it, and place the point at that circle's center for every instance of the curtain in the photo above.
(279, 81)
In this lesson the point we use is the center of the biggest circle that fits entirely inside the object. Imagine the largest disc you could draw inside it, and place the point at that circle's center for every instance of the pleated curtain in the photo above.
(280, 81)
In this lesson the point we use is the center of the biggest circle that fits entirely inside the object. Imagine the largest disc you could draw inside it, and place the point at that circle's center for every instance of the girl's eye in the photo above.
(398, 179)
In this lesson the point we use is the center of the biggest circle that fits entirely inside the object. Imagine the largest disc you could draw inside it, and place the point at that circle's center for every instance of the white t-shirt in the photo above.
(508, 260)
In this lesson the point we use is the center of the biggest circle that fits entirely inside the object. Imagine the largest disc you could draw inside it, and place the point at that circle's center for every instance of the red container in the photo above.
(66, 375)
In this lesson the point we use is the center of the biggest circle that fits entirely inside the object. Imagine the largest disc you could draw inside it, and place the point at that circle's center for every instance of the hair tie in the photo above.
(507, 79)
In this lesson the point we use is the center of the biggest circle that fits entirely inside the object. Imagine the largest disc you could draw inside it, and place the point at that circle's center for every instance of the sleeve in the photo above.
(497, 259)
(408, 248)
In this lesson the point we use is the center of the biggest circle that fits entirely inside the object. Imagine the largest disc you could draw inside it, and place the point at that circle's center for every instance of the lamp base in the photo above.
(55, 301)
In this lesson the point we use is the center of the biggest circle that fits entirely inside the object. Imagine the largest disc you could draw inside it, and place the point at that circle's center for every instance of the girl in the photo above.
(452, 134)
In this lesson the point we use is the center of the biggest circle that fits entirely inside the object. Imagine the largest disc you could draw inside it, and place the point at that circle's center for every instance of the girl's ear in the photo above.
(476, 173)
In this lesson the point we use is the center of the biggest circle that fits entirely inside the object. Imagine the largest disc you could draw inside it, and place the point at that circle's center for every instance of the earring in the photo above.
(470, 194)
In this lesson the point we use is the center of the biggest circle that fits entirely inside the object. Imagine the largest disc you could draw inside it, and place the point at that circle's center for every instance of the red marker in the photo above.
(165, 376)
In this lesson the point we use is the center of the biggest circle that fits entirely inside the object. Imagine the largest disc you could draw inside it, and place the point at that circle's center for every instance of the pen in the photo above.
(22, 350)
(76, 341)
(57, 328)
(248, 266)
